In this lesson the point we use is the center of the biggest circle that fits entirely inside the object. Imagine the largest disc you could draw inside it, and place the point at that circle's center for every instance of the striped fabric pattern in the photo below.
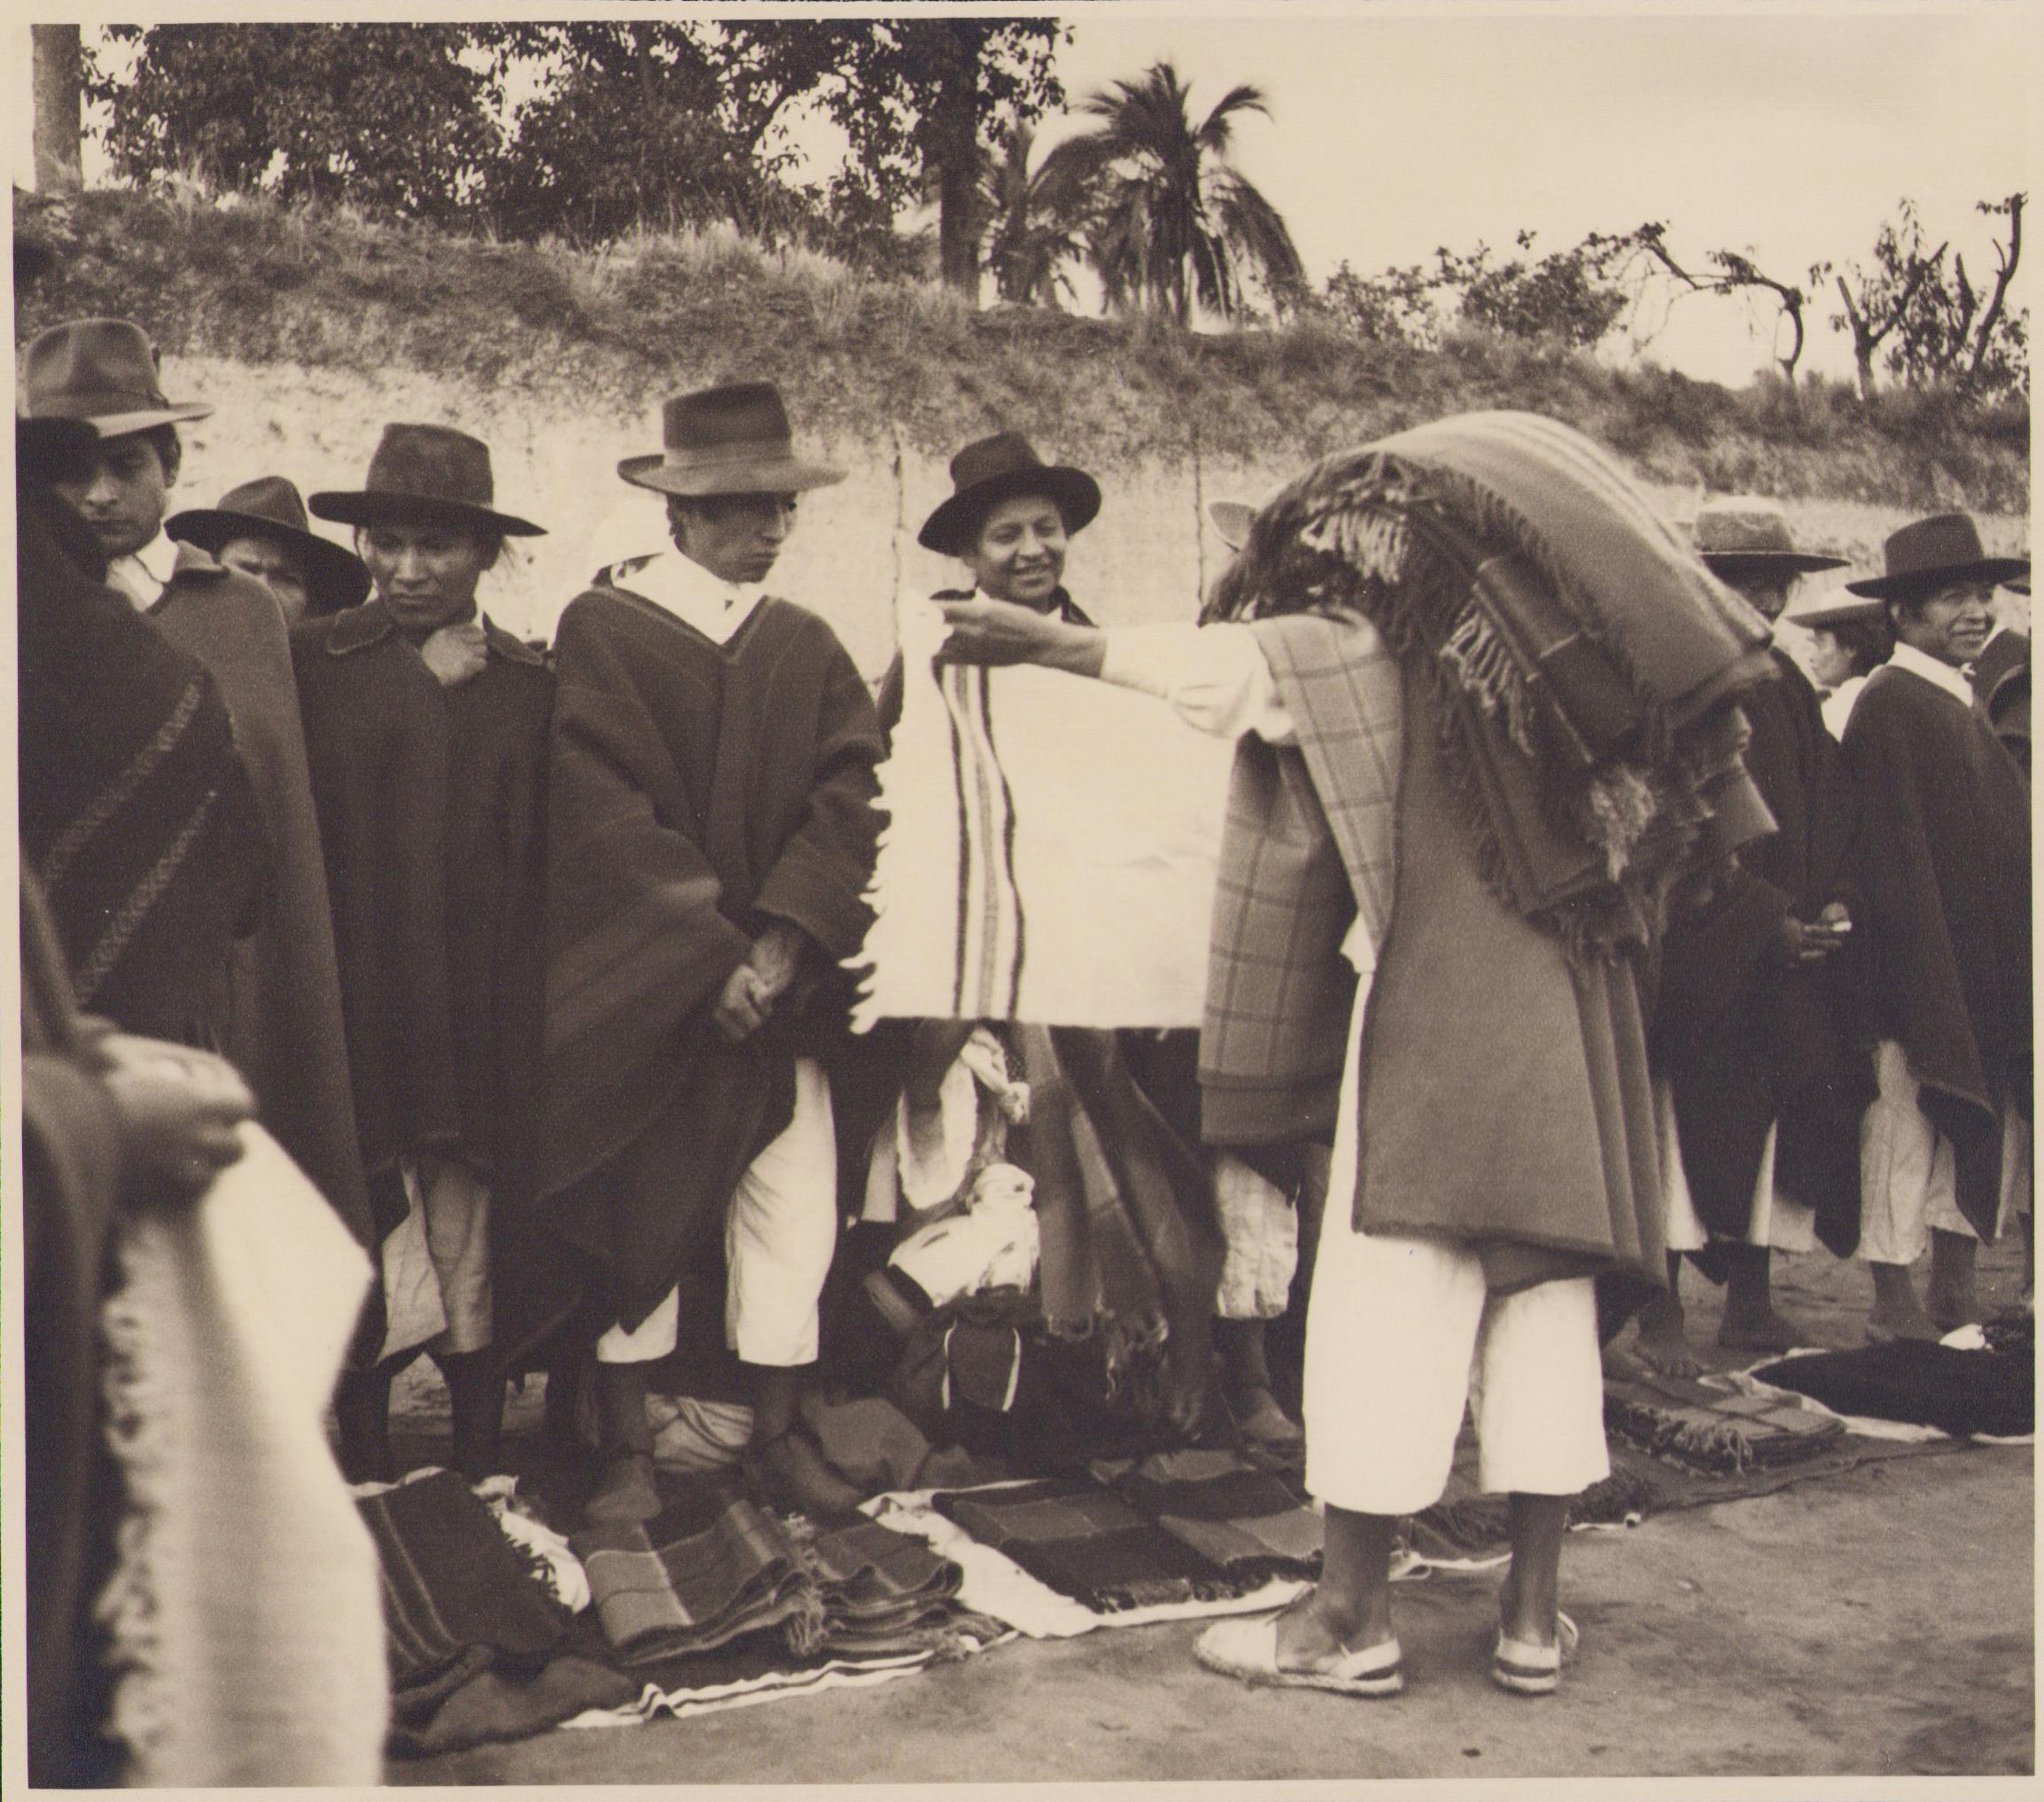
(1049, 849)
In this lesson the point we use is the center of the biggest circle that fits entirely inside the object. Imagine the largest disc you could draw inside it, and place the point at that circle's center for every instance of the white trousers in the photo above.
(1401, 1334)
(1908, 1183)
(436, 1266)
(779, 1232)
(1779, 1222)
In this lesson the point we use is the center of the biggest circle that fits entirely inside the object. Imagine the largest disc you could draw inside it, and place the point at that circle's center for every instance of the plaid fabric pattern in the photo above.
(1256, 1524)
(1713, 1434)
(1309, 843)
(457, 1595)
(708, 1568)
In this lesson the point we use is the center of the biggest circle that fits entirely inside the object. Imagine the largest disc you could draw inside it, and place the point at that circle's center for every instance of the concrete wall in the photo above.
(1148, 556)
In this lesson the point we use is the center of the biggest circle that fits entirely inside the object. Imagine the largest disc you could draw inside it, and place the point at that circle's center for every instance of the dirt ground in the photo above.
(1878, 1623)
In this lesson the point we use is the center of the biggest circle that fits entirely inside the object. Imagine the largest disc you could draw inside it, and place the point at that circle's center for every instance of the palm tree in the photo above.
(1034, 218)
(1173, 223)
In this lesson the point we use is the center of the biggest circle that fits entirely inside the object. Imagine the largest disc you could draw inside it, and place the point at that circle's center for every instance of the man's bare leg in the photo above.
(1751, 1322)
(1349, 1609)
(1951, 1299)
(1897, 1313)
(1662, 1343)
(1528, 1602)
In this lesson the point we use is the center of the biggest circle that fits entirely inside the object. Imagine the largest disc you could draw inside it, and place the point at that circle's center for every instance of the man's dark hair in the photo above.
(715, 507)
(1868, 643)
(168, 447)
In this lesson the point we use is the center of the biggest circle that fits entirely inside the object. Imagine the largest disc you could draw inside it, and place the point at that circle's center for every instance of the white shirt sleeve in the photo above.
(1214, 677)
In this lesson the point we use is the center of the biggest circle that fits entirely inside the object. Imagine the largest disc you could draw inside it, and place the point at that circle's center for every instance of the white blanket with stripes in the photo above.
(1049, 849)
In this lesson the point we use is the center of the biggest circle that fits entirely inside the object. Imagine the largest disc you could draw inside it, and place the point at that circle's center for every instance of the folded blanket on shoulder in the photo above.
(1049, 853)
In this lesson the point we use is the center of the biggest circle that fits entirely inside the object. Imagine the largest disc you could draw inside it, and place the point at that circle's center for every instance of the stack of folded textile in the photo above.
(883, 1593)
(1713, 1433)
(1255, 1524)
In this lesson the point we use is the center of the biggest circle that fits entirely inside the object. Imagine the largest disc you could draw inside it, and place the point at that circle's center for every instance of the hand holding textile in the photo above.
(1002, 632)
(180, 1109)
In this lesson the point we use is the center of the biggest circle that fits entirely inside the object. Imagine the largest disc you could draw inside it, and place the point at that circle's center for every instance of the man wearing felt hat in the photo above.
(280, 1022)
(1850, 638)
(426, 725)
(1765, 1089)
(1946, 873)
(711, 833)
(260, 529)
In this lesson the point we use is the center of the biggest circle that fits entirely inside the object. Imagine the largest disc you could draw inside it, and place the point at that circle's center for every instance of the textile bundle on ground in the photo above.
(224, 1343)
(1710, 1432)
(1049, 851)
(713, 1566)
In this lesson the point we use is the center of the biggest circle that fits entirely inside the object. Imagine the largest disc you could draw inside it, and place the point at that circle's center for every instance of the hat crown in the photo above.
(1743, 525)
(989, 459)
(739, 421)
(431, 462)
(89, 367)
(275, 497)
(1929, 547)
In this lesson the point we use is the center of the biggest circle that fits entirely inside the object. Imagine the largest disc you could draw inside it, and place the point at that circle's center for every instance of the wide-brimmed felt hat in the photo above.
(732, 440)
(1747, 535)
(1833, 606)
(269, 508)
(103, 371)
(989, 471)
(1230, 519)
(1939, 552)
(424, 475)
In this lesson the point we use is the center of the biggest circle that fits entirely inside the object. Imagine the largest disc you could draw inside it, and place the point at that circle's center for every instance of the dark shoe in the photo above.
(476, 1394)
(362, 1413)
(626, 1494)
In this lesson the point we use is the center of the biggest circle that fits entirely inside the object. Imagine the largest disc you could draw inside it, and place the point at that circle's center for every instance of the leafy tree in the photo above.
(1174, 223)
(653, 125)
(920, 99)
(1034, 219)
(395, 117)
(1734, 272)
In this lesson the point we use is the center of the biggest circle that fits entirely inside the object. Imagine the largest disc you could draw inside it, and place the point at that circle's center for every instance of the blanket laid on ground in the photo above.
(242, 1610)
(1965, 1394)
(1174, 1527)
(1049, 852)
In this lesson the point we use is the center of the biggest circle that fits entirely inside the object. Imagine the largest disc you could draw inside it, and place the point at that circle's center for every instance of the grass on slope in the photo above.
(259, 282)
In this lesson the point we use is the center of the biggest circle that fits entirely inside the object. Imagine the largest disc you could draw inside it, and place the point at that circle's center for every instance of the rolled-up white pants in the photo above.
(1403, 1333)
(779, 1232)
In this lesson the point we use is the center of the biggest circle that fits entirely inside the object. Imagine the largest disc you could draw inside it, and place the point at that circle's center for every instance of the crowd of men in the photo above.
(534, 959)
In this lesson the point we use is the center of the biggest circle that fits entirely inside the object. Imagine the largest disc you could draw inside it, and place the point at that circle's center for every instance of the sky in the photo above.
(1789, 134)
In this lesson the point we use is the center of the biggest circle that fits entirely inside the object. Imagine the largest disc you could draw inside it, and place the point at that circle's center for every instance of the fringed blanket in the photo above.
(1049, 852)
(713, 1567)
(1713, 1434)
(246, 1642)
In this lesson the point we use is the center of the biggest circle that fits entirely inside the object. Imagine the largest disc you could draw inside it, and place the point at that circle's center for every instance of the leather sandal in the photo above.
(1247, 1647)
(1526, 1669)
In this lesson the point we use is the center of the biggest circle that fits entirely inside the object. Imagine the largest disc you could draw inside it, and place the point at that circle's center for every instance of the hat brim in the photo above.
(1992, 569)
(1833, 611)
(127, 425)
(1231, 521)
(338, 577)
(357, 507)
(952, 527)
(1730, 565)
(763, 476)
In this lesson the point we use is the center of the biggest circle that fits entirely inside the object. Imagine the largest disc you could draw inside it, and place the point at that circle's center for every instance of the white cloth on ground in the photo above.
(1050, 848)
(245, 1608)
(994, 1244)
(779, 1232)
(1907, 1181)
(1779, 1222)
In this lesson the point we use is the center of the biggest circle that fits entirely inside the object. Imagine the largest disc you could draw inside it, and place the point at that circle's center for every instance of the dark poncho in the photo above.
(1747, 1040)
(136, 813)
(1944, 863)
(697, 792)
(430, 805)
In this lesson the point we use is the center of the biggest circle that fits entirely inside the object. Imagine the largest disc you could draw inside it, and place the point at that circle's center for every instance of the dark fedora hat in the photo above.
(1927, 555)
(733, 439)
(1747, 535)
(103, 371)
(424, 475)
(989, 471)
(1231, 521)
(269, 508)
